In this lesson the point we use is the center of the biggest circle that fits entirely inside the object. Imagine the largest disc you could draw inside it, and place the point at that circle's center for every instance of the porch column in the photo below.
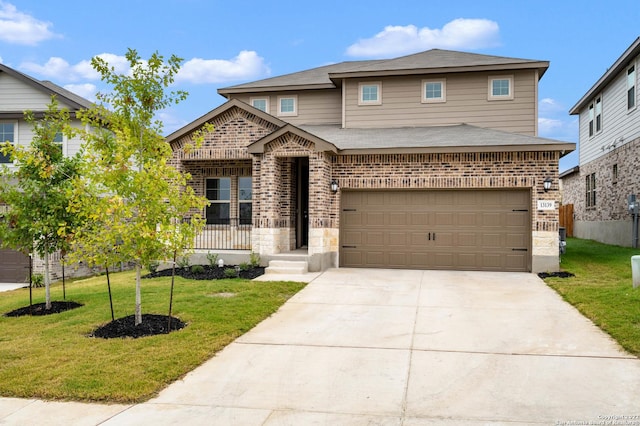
(323, 230)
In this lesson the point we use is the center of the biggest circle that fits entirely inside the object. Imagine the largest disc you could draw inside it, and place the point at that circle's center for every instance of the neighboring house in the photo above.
(18, 93)
(428, 161)
(609, 154)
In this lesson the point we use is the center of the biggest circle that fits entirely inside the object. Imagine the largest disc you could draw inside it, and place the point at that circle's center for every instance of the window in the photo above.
(288, 105)
(591, 120)
(245, 200)
(501, 88)
(218, 192)
(59, 140)
(260, 103)
(590, 193)
(6, 135)
(614, 174)
(631, 87)
(370, 93)
(433, 91)
(598, 114)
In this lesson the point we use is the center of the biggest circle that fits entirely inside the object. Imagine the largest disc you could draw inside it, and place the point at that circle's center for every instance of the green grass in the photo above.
(602, 288)
(52, 357)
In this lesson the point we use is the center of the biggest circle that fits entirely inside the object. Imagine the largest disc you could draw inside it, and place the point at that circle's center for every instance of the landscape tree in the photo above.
(138, 207)
(36, 190)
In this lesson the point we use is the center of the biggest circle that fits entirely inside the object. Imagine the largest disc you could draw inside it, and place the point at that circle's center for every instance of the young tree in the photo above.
(134, 200)
(36, 190)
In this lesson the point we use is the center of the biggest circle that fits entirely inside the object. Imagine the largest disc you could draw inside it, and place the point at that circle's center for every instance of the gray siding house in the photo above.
(18, 93)
(609, 153)
(427, 161)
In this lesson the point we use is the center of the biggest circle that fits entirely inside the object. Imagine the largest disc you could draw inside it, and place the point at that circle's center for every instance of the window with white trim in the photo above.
(631, 87)
(590, 193)
(598, 113)
(245, 200)
(288, 105)
(434, 91)
(58, 139)
(260, 103)
(7, 134)
(218, 193)
(370, 93)
(501, 87)
(591, 117)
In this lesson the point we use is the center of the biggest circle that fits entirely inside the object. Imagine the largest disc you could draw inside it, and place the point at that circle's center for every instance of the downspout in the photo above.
(344, 103)
(535, 120)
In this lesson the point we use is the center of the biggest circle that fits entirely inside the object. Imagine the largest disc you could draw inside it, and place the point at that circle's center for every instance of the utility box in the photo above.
(635, 270)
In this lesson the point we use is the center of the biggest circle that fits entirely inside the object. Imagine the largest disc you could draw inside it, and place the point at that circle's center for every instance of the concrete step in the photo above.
(287, 267)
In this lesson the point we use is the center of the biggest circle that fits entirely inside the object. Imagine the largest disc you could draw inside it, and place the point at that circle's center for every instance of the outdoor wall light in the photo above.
(334, 186)
(547, 184)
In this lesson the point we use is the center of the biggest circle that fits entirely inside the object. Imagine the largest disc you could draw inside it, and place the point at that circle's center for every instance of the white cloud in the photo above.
(86, 90)
(559, 128)
(458, 34)
(246, 65)
(20, 28)
(59, 69)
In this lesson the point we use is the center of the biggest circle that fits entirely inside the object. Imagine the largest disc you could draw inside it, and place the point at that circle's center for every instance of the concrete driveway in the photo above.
(383, 347)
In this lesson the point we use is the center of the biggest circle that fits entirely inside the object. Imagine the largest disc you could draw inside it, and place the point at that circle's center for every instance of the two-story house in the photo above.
(18, 93)
(609, 138)
(427, 161)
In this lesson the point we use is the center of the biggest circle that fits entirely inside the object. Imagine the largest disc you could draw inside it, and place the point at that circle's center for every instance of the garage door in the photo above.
(14, 267)
(461, 230)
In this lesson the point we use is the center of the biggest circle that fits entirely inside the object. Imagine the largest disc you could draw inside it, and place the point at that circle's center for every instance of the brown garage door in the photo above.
(448, 229)
(14, 267)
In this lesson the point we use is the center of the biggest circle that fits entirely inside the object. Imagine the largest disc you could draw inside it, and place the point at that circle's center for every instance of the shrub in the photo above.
(37, 280)
(244, 266)
(213, 259)
(230, 273)
(254, 259)
(197, 269)
(153, 266)
(183, 262)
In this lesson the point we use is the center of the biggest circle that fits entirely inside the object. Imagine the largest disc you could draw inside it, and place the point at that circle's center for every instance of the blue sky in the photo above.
(225, 43)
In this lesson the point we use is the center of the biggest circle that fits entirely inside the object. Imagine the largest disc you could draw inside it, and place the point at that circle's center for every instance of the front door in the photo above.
(302, 219)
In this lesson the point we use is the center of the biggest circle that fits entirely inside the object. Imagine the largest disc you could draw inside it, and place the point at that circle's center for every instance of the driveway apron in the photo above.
(401, 347)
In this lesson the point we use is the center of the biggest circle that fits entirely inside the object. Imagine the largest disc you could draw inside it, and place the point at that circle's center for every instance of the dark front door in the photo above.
(302, 225)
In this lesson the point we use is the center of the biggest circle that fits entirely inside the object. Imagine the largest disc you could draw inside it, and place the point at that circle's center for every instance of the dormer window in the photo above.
(501, 88)
(260, 103)
(370, 93)
(433, 91)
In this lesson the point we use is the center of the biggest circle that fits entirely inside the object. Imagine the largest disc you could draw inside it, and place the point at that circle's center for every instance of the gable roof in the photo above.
(74, 101)
(618, 66)
(428, 62)
(233, 103)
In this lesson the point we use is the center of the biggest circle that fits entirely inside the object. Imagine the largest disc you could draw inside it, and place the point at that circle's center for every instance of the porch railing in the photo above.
(230, 235)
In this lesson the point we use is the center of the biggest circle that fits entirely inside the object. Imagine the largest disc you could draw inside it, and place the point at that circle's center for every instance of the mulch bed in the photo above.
(561, 274)
(209, 273)
(38, 309)
(151, 325)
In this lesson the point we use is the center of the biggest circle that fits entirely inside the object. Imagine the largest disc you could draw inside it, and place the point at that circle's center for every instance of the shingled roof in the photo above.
(428, 62)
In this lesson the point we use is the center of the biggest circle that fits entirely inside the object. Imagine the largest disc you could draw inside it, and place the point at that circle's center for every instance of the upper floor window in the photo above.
(370, 93)
(288, 105)
(245, 200)
(631, 87)
(260, 103)
(7, 134)
(218, 193)
(595, 116)
(501, 88)
(433, 91)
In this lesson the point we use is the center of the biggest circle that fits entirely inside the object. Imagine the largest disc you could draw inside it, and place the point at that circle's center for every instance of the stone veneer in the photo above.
(609, 221)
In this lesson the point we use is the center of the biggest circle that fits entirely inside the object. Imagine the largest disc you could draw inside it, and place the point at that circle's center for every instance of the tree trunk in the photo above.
(138, 296)
(47, 282)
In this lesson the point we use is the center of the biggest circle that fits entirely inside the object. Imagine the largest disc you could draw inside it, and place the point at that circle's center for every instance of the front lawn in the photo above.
(602, 288)
(52, 357)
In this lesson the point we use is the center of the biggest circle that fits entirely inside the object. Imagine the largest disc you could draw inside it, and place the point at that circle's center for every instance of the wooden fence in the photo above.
(566, 218)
